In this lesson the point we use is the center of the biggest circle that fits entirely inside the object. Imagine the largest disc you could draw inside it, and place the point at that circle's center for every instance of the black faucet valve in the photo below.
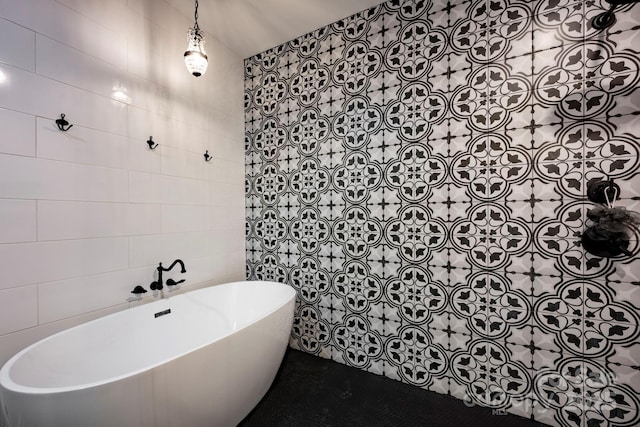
(170, 282)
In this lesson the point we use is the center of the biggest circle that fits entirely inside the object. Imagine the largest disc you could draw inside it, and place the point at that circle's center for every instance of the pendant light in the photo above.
(195, 57)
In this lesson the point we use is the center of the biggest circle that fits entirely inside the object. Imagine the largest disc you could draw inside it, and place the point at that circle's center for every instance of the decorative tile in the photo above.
(418, 173)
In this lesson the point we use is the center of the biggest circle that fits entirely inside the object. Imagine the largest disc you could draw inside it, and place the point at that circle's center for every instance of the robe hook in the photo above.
(63, 124)
(207, 157)
(151, 143)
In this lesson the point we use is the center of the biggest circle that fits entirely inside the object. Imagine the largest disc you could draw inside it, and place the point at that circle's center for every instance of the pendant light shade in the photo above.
(195, 58)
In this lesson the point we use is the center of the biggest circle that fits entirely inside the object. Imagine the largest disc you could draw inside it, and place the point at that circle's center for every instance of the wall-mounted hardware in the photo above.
(608, 236)
(608, 18)
(159, 285)
(63, 124)
(207, 157)
(152, 145)
(139, 290)
(171, 282)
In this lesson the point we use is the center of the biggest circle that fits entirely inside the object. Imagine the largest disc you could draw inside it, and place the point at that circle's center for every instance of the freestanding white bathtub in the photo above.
(207, 362)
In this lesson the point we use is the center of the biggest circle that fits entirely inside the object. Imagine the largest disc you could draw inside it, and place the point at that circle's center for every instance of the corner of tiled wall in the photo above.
(418, 173)
(87, 214)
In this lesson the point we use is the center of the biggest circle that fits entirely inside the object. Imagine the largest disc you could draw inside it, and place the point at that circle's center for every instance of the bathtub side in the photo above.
(215, 385)
(220, 384)
(123, 403)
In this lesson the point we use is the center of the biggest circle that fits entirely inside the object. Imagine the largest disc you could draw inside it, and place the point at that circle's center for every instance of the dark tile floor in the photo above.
(310, 391)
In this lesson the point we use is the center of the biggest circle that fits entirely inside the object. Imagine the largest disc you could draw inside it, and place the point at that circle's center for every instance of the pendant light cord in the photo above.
(196, 16)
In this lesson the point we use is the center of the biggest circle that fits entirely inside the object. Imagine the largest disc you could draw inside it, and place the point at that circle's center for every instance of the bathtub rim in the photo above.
(6, 383)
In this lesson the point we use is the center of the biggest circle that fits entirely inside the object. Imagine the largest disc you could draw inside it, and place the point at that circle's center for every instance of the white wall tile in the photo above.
(166, 127)
(18, 309)
(228, 240)
(18, 133)
(73, 297)
(143, 48)
(184, 163)
(73, 67)
(79, 220)
(185, 191)
(236, 265)
(145, 187)
(236, 174)
(199, 270)
(229, 195)
(18, 222)
(82, 145)
(149, 250)
(143, 123)
(152, 188)
(144, 219)
(141, 158)
(226, 218)
(18, 45)
(30, 263)
(41, 96)
(218, 170)
(112, 14)
(29, 178)
(69, 27)
(225, 171)
(178, 218)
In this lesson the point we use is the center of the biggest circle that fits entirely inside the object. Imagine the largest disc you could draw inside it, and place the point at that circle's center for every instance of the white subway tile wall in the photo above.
(87, 214)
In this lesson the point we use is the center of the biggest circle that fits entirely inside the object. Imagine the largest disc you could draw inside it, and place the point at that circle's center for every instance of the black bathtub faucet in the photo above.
(158, 285)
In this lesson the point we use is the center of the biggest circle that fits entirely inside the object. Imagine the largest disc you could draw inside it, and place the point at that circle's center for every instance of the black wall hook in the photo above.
(63, 125)
(207, 157)
(151, 143)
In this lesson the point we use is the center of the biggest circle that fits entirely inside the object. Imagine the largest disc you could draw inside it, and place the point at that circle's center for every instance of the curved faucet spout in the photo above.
(173, 264)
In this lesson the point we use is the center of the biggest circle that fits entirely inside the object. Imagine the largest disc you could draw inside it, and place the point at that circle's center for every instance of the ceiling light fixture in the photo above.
(195, 57)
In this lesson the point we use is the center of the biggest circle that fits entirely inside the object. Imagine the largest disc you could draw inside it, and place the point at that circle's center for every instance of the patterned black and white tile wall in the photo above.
(417, 173)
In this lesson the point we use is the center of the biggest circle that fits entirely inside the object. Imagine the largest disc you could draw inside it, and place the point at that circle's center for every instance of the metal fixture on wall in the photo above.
(139, 290)
(63, 124)
(195, 58)
(608, 18)
(207, 157)
(152, 145)
(158, 285)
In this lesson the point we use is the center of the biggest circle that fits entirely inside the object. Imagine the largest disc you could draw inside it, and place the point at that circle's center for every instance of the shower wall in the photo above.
(418, 171)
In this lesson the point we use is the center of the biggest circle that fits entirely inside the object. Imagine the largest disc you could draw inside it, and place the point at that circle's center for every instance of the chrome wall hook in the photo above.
(207, 157)
(63, 124)
(152, 145)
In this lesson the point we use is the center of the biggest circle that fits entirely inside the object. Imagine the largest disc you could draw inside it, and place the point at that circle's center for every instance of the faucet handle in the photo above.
(155, 286)
(139, 290)
(171, 282)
